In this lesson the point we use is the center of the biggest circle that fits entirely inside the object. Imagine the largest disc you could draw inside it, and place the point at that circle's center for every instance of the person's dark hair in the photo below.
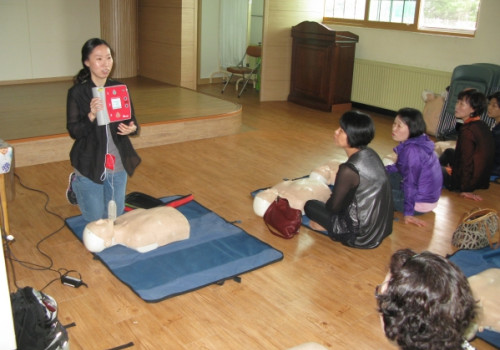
(428, 303)
(87, 49)
(414, 120)
(359, 128)
(495, 95)
(476, 100)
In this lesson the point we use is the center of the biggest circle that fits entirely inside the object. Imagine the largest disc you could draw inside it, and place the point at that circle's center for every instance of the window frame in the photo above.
(365, 23)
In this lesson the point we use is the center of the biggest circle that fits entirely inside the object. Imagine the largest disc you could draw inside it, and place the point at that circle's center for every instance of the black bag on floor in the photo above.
(136, 200)
(35, 321)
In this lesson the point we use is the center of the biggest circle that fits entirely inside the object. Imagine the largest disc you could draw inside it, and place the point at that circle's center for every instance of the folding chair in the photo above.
(243, 68)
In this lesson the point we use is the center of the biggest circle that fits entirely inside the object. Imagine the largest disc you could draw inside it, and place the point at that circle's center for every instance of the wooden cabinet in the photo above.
(322, 66)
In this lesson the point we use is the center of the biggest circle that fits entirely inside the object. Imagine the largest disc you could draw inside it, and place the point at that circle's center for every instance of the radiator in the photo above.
(392, 86)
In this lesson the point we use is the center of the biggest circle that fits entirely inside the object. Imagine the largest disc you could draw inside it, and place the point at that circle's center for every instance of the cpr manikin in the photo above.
(485, 287)
(299, 191)
(141, 229)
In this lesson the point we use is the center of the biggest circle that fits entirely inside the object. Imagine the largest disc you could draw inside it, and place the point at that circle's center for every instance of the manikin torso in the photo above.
(140, 229)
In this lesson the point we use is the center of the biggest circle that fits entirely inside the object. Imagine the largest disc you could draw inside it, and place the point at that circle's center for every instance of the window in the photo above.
(446, 16)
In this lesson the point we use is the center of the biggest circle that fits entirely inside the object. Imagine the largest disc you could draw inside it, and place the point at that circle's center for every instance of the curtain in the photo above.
(233, 31)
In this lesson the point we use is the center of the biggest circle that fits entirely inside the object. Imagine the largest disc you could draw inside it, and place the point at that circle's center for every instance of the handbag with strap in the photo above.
(283, 220)
(477, 229)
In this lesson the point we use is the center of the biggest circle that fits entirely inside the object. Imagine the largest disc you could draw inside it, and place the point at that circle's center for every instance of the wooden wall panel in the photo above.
(160, 62)
(167, 41)
(161, 25)
(189, 48)
(119, 29)
(161, 3)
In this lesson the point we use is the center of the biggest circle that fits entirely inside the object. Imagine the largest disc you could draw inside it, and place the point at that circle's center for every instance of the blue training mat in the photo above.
(216, 251)
(472, 262)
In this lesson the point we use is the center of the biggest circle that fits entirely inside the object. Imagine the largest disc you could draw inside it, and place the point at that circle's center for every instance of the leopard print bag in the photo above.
(477, 229)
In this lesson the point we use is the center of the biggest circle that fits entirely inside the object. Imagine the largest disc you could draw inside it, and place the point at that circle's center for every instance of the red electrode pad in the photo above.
(110, 161)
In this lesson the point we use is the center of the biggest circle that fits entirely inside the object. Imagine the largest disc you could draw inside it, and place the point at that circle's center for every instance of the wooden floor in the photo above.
(321, 291)
(33, 117)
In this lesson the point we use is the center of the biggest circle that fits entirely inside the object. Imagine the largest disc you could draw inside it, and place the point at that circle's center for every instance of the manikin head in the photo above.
(299, 191)
(98, 235)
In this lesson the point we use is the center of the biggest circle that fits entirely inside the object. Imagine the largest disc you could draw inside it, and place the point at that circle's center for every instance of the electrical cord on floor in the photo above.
(64, 274)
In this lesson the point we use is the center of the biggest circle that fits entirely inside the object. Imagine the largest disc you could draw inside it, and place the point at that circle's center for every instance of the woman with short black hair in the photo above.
(416, 176)
(359, 212)
(467, 167)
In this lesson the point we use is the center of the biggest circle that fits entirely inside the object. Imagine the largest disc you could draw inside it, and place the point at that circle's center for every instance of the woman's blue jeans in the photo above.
(93, 198)
(398, 195)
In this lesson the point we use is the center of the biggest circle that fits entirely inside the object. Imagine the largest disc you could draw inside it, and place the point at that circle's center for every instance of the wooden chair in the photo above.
(244, 69)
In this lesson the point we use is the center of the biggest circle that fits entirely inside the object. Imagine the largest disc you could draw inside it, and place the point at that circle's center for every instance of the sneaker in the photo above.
(70, 194)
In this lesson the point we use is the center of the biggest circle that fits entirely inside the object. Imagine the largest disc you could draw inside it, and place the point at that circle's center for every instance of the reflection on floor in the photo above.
(33, 117)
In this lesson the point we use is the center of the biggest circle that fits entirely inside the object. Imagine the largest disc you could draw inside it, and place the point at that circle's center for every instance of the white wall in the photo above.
(209, 38)
(256, 22)
(43, 38)
(209, 34)
(438, 52)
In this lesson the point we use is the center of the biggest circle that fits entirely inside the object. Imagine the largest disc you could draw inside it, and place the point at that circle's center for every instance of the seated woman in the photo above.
(359, 212)
(416, 177)
(494, 112)
(425, 302)
(468, 167)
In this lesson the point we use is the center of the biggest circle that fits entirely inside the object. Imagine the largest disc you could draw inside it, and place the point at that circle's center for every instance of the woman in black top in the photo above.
(102, 155)
(360, 211)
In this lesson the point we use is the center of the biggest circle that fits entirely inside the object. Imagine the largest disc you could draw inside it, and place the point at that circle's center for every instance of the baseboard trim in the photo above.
(374, 109)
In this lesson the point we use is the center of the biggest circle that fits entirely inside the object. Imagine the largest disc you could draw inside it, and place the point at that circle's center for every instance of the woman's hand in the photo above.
(96, 105)
(124, 129)
(415, 221)
(470, 195)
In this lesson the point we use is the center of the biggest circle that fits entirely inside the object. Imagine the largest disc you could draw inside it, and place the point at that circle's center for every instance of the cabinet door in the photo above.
(342, 70)
(311, 71)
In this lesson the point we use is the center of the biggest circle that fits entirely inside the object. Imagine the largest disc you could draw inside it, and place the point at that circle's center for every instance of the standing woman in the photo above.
(416, 177)
(360, 211)
(92, 185)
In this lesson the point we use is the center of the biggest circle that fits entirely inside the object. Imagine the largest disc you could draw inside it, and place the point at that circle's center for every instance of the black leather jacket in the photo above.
(373, 199)
(89, 149)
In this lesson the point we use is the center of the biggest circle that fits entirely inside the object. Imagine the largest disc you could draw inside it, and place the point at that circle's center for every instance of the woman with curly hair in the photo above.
(425, 302)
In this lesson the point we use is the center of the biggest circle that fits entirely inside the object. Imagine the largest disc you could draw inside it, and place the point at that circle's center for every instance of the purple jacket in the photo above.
(419, 167)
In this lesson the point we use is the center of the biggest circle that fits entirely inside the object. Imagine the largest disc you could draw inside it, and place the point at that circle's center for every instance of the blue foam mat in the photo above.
(216, 251)
(472, 262)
